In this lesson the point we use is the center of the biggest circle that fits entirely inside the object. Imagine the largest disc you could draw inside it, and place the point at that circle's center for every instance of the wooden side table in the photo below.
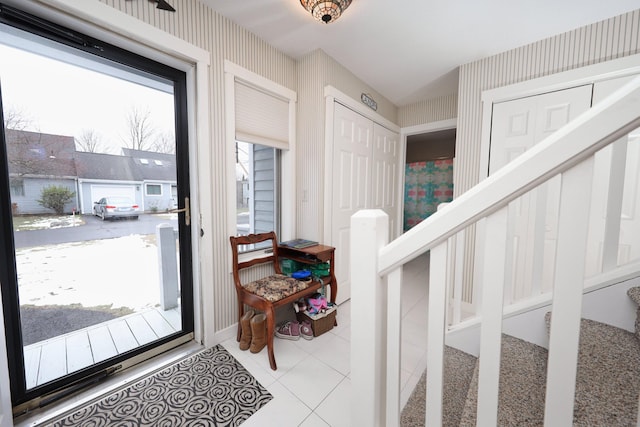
(314, 255)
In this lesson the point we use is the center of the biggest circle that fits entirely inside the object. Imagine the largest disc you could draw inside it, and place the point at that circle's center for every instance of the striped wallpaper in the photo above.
(430, 110)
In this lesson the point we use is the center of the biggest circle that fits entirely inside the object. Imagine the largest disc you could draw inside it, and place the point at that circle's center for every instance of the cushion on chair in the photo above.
(276, 287)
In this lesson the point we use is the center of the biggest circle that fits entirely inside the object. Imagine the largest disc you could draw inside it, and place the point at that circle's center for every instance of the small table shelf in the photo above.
(314, 255)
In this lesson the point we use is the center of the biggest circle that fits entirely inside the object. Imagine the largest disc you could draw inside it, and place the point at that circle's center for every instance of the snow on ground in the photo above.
(122, 272)
(40, 222)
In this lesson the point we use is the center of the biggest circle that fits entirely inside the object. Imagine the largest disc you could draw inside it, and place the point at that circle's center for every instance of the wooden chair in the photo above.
(270, 292)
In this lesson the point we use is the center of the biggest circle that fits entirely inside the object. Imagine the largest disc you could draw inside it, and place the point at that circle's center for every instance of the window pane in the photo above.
(154, 189)
(257, 188)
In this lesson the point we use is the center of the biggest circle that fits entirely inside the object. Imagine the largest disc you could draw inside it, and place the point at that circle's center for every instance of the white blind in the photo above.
(261, 118)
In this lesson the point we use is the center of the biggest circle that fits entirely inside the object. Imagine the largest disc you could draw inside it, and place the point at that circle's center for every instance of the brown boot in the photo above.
(245, 338)
(259, 332)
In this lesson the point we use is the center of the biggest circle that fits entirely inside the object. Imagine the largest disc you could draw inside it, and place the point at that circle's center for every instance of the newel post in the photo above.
(369, 233)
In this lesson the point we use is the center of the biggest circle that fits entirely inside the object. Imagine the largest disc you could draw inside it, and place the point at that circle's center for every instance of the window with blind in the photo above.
(261, 134)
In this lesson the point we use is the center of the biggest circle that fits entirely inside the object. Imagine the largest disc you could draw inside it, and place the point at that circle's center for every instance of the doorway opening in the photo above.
(428, 174)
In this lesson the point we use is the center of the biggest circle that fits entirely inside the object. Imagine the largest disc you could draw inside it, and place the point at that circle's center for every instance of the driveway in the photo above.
(94, 229)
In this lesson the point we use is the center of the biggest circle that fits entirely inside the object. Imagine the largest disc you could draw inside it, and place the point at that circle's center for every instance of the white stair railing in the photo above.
(377, 265)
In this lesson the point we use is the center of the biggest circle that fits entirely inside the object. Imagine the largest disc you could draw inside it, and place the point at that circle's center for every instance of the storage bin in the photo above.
(288, 266)
(321, 322)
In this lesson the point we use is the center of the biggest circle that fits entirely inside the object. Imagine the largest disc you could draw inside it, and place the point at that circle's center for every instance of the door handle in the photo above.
(186, 210)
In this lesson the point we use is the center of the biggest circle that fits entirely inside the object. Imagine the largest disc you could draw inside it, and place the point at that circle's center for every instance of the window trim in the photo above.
(234, 72)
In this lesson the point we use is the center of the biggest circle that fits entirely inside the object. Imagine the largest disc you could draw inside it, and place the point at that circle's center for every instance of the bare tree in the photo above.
(141, 131)
(90, 141)
(16, 118)
(165, 142)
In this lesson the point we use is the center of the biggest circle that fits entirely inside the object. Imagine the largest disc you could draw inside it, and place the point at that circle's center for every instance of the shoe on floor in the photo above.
(289, 331)
(306, 331)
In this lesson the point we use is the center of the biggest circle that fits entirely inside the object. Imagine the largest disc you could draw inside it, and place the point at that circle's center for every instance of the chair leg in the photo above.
(271, 328)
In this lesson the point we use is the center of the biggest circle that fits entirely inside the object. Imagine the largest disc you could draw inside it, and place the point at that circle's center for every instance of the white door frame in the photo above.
(559, 81)
(332, 95)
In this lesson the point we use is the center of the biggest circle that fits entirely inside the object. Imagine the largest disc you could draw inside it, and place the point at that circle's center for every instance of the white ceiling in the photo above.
(409, 50)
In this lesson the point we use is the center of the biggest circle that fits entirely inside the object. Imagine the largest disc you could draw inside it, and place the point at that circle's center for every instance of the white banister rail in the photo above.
(377, 272)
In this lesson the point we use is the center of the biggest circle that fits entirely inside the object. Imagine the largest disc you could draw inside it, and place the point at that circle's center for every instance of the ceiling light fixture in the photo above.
(163, 5)
(325, 11)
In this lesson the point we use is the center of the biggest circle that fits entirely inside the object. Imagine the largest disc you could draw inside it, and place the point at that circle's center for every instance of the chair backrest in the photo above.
(271, 254)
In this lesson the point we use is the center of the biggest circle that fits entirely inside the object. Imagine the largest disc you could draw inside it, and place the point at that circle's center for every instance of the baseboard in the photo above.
(225, 334)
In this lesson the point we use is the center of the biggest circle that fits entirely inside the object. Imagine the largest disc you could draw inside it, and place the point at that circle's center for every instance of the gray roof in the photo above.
(106, 166)
(152, 165)
(33, 153)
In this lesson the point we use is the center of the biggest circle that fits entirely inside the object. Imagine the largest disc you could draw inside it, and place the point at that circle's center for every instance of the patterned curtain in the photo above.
(427, 184)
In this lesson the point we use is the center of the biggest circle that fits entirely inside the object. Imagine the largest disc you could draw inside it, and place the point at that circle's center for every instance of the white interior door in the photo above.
(616, 194)
(518, 125)
(386, 156)
(351, 185)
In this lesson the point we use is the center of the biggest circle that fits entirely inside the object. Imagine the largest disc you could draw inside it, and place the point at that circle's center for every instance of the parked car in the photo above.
(115, 207)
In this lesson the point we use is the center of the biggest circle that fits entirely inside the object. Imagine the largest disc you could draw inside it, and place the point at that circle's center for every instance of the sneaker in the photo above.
(289, 331)
(306, 331)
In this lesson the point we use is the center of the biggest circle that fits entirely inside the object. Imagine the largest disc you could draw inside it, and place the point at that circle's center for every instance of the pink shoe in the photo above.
(289, 331)
(306, 331)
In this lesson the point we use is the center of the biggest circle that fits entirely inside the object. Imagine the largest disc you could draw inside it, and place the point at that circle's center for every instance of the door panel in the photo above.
(517, 126)
(385, 176)
(365, 175)
(353, 139)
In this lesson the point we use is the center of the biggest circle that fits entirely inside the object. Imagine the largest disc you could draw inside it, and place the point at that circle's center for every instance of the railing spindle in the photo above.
(492, 303)
(573, 225)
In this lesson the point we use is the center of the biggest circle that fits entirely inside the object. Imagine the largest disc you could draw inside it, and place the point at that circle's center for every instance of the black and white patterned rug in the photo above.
(210, 388)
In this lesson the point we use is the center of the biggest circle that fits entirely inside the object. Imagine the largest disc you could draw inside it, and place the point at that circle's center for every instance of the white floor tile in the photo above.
(336, 353)
(284, 410)
(316, 344)
(314, 421)
(336, 408)
(414, 333)
(287, 355)
(311, 381)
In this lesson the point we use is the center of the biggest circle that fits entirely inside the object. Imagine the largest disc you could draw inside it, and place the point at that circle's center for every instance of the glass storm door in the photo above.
(96, 263)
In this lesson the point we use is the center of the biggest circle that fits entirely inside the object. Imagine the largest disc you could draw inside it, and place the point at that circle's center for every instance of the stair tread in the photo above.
(458, 370)
(634, 294)
(521, 394)
(608, 382)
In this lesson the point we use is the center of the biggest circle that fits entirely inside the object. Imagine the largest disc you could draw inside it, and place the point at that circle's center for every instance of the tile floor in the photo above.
(312, 385)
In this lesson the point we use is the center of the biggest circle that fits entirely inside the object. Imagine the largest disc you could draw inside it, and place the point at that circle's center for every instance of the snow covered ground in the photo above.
(121, 272)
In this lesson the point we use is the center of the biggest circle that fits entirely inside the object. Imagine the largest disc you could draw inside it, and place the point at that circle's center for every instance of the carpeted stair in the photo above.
(607, 383)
